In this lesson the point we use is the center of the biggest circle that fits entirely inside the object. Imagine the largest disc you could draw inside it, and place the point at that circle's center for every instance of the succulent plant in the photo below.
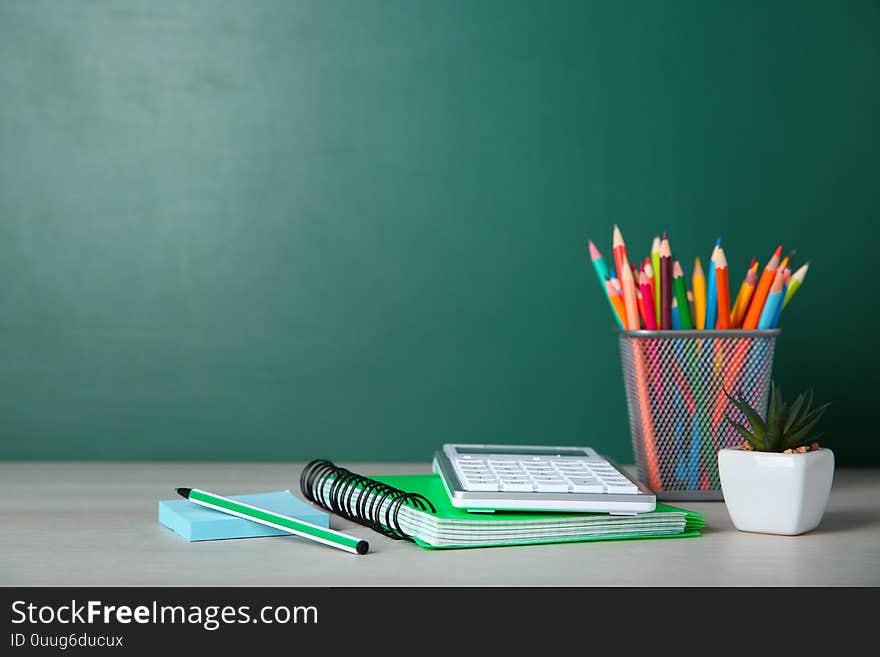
(786, 428)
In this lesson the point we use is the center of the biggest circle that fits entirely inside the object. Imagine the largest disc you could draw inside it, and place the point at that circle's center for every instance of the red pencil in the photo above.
(647, 300)
(723, 289)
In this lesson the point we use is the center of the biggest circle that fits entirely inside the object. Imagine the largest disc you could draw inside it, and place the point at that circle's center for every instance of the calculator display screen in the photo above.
(513, 451)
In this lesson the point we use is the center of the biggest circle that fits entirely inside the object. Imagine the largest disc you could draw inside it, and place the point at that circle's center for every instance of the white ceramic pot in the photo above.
(775, 493)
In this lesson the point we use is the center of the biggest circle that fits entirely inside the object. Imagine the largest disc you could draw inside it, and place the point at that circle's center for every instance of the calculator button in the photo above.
(627, 488)
(557, 486)
(587, 486)
(487, 486)
(520, 486)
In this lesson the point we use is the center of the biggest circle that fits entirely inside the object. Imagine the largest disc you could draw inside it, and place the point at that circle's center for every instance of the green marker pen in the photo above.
(284, 523)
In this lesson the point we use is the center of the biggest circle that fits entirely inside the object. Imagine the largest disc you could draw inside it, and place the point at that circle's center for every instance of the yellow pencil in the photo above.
(698, 283)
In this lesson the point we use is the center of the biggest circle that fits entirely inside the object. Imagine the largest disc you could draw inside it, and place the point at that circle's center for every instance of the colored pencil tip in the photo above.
(778, 251)
(665, 235)
(183, 492)
(676, 270)
(718, 241)
(594, 252)
(611, 273)
(752, 262)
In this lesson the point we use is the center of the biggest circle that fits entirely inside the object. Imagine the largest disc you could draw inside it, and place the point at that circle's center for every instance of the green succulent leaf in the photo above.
(793, 412)
(814, 414)
(800, 435)
(755, 421)
(745, 433)
(776, 418)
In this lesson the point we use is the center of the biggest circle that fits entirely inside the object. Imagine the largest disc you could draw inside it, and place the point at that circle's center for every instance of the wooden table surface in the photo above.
(95, 523)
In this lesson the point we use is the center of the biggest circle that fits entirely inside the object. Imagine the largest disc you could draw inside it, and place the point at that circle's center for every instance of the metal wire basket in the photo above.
(675, 382)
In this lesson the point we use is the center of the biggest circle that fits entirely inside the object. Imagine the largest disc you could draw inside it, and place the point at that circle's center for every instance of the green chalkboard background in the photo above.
(356, 230)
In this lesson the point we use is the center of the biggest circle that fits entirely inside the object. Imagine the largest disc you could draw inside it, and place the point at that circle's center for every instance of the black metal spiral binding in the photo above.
(334, 487)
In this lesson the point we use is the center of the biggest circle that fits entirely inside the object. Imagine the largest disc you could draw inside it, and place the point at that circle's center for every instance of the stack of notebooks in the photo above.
(417, 508)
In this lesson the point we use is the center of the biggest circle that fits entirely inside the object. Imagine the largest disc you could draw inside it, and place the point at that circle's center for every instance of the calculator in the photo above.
(538, 478)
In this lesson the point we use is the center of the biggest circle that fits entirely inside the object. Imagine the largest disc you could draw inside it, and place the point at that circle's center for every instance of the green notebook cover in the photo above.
(431, 487)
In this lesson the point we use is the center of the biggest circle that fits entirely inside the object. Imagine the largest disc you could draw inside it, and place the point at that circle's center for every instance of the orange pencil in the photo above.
(744, 295)
(616, 302)
(753, 315)
(627, 284)
(698, 281)
(721, 282)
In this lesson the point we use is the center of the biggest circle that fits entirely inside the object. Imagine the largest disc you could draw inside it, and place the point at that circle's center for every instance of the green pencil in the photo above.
(684, 308)
(269, 518)
(655, 269)
(794, 284)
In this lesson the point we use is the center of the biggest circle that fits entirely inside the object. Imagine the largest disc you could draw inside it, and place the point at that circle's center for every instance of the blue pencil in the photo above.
(676, 318)
(779, 308)
(712, 291)
(774, 300)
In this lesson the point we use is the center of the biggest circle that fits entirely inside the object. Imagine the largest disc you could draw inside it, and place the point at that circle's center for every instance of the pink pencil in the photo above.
(647, 300)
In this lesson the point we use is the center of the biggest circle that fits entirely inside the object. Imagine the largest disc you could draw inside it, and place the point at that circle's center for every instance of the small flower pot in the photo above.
(776, 493)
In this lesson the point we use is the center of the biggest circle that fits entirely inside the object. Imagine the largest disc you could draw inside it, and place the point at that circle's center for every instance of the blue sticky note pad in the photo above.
(198, 523)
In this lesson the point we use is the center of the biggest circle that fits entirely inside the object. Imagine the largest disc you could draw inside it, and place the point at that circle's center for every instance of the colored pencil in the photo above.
(649, 274)
(797, 279)
(598, 263)
(616, 302)
(615, 281)
(618, 248)
(647, 299)
(774, 298)
(787, 259)
(756, 307)
(601, 270)
(690, 296)
(684, 313)
(786, 278)
(712, 291)
(723, 295)
(630, 304)
(698, 281)
(269, 518)
(676, 316)
(744, 295)
(665, 283)
(639, 301)
(655, 268)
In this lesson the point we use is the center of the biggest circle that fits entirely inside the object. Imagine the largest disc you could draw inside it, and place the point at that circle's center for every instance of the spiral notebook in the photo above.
(417, 508)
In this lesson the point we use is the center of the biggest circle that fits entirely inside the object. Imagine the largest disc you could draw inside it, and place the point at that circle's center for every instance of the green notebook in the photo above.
(359, 499)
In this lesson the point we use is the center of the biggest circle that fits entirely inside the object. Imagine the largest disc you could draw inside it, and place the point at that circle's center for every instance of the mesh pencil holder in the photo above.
(675, 383)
